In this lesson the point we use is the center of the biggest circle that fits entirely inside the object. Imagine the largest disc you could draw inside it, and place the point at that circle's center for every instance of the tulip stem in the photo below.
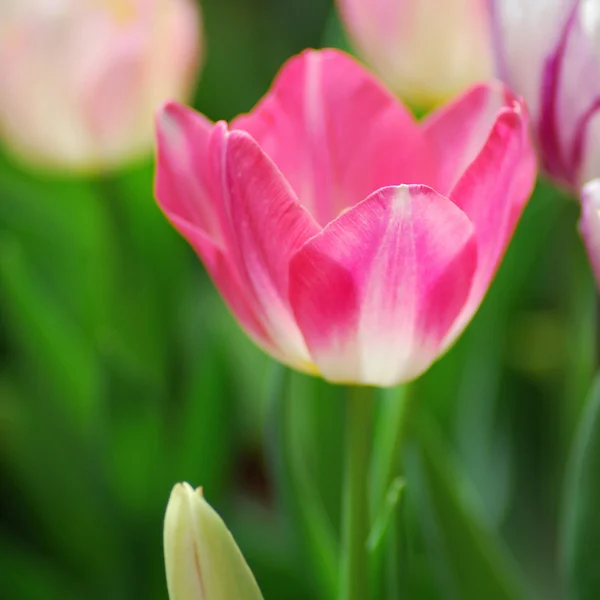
(597, 318)
(355, 514)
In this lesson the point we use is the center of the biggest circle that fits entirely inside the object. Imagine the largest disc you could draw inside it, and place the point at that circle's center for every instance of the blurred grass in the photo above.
(121, 372)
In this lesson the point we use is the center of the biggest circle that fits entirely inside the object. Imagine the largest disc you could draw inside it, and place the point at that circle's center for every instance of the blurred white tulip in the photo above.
(425, 50)
(81, 79)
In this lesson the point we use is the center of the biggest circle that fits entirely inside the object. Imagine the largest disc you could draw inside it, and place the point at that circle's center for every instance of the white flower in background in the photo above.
(81, 79)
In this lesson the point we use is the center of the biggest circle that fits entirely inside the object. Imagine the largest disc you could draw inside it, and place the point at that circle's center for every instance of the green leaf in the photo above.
(382, 524)
(65, 236)
(382, 542)
(582, 520)
(298, 493)
(57, 471)
(471, 563)
(51, 340)
(205, 421)
(270, 557)
(317, 409)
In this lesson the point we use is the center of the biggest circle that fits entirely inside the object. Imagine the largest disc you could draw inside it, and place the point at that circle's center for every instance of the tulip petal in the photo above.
(549, 52)
(526, 34)
(577, 88)
(188, 188)
(188, 184)
(589, 225)
(82, 79)
(377, 291)
(458, 131)
(587, 146)
(110, 83)
(335, 133)
(493, 193)
(270, 225)
(395, 36)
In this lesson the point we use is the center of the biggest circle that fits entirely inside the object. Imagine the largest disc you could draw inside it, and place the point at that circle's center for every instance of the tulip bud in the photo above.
(202, 559)
(425, 50)
(549, 53)
(589, 225)
(82, 79)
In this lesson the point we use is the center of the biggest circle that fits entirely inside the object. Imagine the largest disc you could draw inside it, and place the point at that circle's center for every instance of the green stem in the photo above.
(386, 466)
(393, 413)
(355, 525)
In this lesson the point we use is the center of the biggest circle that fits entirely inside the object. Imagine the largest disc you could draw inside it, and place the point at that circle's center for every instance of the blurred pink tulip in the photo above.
(549, 51)
(590, 224)
(347, 238)
(82, 79)
(426, 50)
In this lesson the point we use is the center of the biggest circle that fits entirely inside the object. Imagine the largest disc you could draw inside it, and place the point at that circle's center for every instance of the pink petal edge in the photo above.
(269, 225)
(458, 130)
(336, 133)
(376, 292)
(493, 193)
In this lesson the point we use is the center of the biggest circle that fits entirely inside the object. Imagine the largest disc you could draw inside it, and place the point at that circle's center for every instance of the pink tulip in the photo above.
(549, 51)
(590, 224)
(347, 238)
(82, 79)
(426, 50)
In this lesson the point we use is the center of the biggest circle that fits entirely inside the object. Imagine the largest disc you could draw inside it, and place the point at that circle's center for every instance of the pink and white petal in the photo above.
(526, 35)
(377, 29)
(109, 82)
(493, 193)
(270, 225)
(377, 291)
(189, 189)
(226, 278)
(589, 225)
(336, 133)
(188, 182)
(578, 92)
(458, 131)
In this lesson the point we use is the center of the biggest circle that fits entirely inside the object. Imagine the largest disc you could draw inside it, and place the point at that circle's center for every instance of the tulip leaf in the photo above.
(298, 494)
(470, 564)
(385, 517)
(382, 539)
(50, 339)
(65, 236)
(56, 468)
(271, 558)
(582, 524)
(318, 410)
(205, 420)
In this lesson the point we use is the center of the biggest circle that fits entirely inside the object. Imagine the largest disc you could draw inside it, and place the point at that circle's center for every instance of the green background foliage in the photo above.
(121, 372)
